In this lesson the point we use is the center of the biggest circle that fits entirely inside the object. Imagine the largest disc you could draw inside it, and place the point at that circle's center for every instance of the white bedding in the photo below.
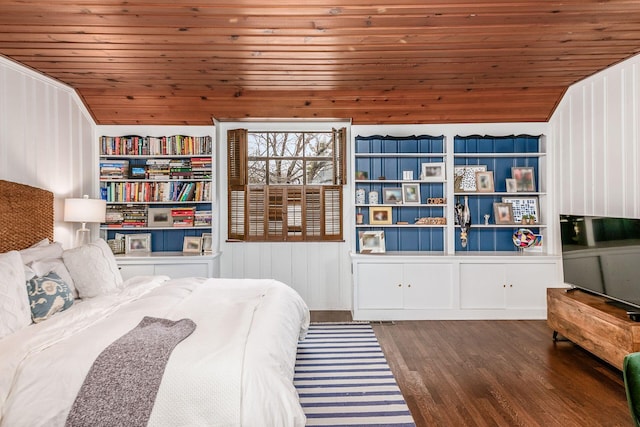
(235, 369)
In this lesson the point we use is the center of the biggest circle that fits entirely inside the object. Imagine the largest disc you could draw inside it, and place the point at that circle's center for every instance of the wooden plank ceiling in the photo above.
(412, 61)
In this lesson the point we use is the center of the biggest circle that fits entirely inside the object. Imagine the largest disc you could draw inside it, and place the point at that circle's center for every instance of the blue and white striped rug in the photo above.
(343, 379)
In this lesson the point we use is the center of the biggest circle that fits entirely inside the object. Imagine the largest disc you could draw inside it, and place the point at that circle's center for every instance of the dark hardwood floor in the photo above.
(497, 373)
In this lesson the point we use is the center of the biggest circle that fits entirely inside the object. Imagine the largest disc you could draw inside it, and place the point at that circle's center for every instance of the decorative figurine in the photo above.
(463, 217)
(486, 219)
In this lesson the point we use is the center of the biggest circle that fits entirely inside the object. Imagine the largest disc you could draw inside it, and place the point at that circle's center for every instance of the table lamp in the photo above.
(84, 210)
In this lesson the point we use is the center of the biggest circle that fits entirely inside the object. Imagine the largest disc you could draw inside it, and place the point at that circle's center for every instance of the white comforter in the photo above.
(235, 369)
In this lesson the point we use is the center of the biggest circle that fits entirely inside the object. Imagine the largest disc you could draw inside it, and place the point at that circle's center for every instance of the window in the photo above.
(285, 186)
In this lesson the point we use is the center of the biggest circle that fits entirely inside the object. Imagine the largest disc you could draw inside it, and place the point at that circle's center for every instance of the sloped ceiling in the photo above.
(412, 61)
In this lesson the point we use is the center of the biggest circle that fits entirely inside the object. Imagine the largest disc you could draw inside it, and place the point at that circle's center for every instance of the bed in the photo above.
(235, 367)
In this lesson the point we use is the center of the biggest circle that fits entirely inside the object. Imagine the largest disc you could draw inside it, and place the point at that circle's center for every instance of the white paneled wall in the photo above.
(46, 138)
(596, 130)
(320, 272)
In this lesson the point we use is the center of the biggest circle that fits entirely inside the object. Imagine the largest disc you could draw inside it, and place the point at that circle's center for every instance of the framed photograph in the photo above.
(484, 182)
(465, 177)
(503, 213)
(380, 215)
(134, 243)
(207, 243)
(361, 175)
(523, 206)
(391, 196)
(192, 244)
(407, 175)
(432, 172)
(371, 242)
(159, 217)
(410, 194)
(525, 178)
(512, 186)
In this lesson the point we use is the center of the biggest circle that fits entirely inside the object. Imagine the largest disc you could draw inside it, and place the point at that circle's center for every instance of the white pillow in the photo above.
(93, 269)
(15, 313)
(40, 251)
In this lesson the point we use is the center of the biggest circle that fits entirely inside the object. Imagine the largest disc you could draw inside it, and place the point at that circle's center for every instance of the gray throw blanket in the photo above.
(121, 386)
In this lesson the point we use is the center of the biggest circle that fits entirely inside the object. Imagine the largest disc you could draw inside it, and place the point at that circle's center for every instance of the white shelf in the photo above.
(404, 205)
(155, 180)
(396, 181)
(153, 156)
(501, 193)
(168, 202)
(400, 155)
(401, 225)
(116, 229)
(491, 155)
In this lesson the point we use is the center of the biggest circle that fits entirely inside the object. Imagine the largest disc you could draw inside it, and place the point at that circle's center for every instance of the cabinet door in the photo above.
(177, 271)
(379, 286)
(482, 286)
(130, 270)
(428, 286)
(527, 284)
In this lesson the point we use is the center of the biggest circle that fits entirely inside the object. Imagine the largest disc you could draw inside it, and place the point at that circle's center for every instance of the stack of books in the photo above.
(183, 216)
(114, 169)
(126, 216)
(158, 169)
(201, 167)
(180, 169)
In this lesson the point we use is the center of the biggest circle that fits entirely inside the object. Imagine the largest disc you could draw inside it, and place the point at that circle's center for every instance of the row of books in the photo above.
(156, 169)
(139, 216)
(151, 145)
(173, 191)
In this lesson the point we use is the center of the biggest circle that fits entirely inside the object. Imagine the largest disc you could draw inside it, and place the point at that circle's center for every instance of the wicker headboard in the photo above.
(26, 215)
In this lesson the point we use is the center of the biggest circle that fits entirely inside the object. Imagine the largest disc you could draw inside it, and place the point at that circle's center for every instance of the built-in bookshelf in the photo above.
(400, 188)
(160, 185)
(504, 158)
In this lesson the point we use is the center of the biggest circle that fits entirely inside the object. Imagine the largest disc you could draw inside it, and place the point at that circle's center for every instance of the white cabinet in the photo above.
(382, 287)
(413, 287)
(174, 265)
(515, 285)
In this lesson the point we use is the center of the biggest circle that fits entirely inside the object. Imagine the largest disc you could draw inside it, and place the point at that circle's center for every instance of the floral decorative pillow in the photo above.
(47, 296)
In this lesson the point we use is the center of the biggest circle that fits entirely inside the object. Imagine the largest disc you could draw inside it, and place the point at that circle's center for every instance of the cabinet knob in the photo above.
(399, 285)
(408, 286)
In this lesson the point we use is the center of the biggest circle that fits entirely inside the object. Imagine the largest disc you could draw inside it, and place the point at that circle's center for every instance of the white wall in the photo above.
(46, 138)
(597, 154)
(319, 271)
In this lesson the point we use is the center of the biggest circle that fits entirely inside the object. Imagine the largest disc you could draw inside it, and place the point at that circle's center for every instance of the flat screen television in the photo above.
(601, 255)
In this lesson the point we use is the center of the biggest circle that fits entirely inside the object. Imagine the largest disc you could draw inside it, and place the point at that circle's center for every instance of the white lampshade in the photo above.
(85, 210)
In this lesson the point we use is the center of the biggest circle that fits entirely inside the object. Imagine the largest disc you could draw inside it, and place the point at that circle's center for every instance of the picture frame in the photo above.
(362, 175)
(484, 182)
(137, 243)
(371, 242)
(407, 175)
(433, 172)
(525, 178)
(159, 217)
(523, 206)
(503, 213)
(380, 215)
(465, 177)
(392, 196)
(511, 184)
(207, 243)
(192, 244)
(411, 194)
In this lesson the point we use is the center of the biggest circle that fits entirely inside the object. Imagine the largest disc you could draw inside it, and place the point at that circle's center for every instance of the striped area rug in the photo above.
(343, 379)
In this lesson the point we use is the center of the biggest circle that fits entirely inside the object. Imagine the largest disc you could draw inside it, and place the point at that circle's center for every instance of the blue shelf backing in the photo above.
(496, 145)
(165, 240)
(410, 238)
(399, 145)
(490, 239)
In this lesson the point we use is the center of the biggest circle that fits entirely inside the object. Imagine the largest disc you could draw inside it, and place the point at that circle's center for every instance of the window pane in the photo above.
(319, 172)
(318, 145)
(285, 144)
(256, 144)
(285, 172)
(257, 172)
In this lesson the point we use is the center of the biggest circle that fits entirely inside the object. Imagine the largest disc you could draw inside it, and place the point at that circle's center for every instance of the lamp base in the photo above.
(83, 236)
